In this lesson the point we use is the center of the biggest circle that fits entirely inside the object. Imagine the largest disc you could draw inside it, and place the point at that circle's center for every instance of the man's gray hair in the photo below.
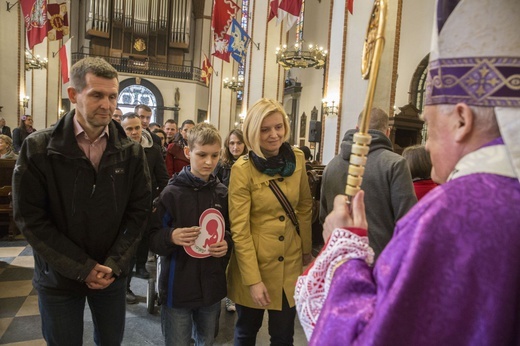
(485, 120)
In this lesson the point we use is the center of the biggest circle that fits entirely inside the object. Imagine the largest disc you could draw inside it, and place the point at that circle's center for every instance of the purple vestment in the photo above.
(450, 275)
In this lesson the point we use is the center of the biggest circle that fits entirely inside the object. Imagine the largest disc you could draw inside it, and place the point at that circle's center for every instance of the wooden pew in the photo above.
(6, 206)
(6, 171)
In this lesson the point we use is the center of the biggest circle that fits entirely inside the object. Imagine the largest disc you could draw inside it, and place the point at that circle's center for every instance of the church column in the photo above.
(343, 82)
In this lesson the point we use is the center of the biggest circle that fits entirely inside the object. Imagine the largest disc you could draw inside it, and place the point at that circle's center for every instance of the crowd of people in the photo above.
(102, 192)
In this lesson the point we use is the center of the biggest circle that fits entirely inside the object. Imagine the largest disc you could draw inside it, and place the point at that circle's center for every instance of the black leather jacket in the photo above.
(73, 216)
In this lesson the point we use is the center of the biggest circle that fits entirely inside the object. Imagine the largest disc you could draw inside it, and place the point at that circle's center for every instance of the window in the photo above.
(134, 95)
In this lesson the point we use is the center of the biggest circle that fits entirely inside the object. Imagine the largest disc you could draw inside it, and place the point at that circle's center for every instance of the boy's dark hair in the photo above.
(145, 107)
(187, 121)
(159, 131)
(129, 115)
(178, 135)
(202, 134)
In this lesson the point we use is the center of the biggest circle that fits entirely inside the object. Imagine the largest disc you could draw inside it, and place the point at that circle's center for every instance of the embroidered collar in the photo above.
(491, 159)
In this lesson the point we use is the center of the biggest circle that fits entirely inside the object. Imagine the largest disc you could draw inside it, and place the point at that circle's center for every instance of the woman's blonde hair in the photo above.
(253, 122)
(8, 141)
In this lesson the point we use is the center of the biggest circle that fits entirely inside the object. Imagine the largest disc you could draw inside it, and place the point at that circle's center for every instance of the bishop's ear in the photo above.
(464, 117)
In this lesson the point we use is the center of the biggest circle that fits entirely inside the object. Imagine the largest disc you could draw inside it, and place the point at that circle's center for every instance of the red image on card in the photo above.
(212, 231)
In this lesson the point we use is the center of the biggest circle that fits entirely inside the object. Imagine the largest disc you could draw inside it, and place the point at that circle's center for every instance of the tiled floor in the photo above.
(20, 320)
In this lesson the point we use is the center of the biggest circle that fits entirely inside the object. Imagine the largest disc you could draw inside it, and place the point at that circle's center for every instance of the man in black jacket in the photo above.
(145, 114)
(387, 181)
(82, 196)
(159, 178)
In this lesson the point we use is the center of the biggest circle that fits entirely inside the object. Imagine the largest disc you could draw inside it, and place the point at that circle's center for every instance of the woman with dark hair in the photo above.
(234, 147)
(420, 166)
(175, 158)
(22, 131)
(162, 135)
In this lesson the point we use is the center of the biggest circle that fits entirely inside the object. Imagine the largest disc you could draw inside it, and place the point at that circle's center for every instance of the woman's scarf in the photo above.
(284, 163)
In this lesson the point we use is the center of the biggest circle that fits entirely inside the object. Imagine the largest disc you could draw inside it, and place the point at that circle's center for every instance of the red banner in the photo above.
(290, 11)
(273, 9)
(58, 21)
(207, 70)
(223, 12)
(221, 48)
(65, 61)
(292, 7)
(35, 18)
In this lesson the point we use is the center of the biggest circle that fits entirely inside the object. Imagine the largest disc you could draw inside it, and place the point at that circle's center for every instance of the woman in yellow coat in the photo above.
(268, 251)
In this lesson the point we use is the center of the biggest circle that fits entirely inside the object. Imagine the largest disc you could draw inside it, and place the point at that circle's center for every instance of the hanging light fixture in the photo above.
(24, 101)
(298, 57)
(330, 108)
(34, 62)
(234, 84)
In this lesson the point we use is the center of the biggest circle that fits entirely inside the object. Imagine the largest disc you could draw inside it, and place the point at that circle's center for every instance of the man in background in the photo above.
(170, 128)
(159, 178)
(118, 113)
(145, 114)
(4, 129)
(153, 126)
(387, 182)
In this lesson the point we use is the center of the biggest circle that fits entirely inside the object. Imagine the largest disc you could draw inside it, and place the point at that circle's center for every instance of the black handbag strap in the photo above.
(285, 204)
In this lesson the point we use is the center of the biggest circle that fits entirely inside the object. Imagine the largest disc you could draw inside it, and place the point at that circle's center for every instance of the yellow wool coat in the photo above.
(267, 247)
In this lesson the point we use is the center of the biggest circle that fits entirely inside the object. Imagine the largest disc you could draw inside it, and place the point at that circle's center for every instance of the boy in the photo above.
(190, 289)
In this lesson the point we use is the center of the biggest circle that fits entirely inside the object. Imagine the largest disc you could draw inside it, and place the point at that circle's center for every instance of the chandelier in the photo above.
(34, 62)
(315, 56)
(233, 84)
(330, 108)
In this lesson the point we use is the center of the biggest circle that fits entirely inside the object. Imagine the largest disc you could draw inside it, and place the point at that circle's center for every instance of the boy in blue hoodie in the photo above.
(191, 288)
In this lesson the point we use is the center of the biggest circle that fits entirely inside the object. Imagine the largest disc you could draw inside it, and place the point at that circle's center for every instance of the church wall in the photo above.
(416, 32)
(316, 32)
(273, 37)
(11, 64)
(268, 35)
(412, 45)
(339, 72)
